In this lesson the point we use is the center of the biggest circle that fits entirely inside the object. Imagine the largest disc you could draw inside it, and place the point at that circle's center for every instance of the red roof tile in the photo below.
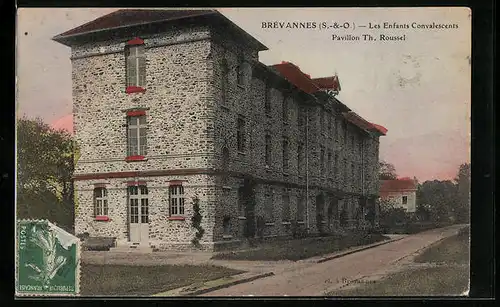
(129, 17)
(328, 82)
(397, 185)
(380, 129)
(364, 124)
(294, 75)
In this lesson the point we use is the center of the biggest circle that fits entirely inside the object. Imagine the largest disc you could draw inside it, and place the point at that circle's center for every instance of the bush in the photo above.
(196, 223)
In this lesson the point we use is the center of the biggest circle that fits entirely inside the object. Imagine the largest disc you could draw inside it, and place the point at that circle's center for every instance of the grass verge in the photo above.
(444, 271)
(122, 280)
(454, 249)
(301, 248)
(441, 280)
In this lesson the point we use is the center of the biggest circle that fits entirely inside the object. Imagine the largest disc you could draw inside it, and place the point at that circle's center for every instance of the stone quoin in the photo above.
(170, 105)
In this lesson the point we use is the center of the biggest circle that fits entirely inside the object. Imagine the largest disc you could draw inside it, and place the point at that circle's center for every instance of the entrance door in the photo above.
(139, 214)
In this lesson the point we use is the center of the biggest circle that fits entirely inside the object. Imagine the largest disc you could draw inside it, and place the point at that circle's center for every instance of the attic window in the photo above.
(135, 66)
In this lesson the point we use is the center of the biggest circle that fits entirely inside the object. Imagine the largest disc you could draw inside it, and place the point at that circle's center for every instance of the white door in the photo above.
(139, 214)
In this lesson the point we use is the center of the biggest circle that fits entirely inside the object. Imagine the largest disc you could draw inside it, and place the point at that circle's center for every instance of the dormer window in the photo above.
(136, 65)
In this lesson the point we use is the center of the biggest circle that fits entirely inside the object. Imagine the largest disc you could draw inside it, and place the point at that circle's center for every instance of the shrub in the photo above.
(196, 223)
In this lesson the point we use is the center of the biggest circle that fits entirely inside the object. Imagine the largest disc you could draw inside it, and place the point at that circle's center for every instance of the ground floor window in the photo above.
(285, 216)
(301, 205)
(226, 225)
(269, 207)
(100, 202)
(176, 200)
(241, 201)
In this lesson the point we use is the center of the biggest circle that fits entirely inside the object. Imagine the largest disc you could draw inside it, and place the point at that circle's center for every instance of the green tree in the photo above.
(440, 197)
(44, 173)
(463, 189)
(387, 171)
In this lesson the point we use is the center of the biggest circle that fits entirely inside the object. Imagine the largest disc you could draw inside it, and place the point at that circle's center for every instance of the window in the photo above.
(269, 208)
(353, 174)
(301, 205)
(330, 134)
(268, 149)
(267, 99)
(336, 129)
(300, 117)
(322, 121)
(136, 66)
(405, 200)
(329, 164)
(240, 134)
(285, 214)
(240, 74)
(136, 135)
(285, 154)
(224, 82)
(241, 201)
(226, 226)
(285, 109)
(322, 160)
(300, 158)
(138, 197)
(100, 202)
(345, 131)
(176, 200)
(336, 165)
(345, 167)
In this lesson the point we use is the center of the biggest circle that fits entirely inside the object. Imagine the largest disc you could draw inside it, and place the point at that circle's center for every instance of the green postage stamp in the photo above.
(48, 260)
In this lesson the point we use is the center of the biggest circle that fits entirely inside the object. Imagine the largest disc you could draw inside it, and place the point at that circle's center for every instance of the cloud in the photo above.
(65, 122)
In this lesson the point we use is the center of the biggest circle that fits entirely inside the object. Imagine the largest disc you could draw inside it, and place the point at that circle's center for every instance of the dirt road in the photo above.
(317, 279)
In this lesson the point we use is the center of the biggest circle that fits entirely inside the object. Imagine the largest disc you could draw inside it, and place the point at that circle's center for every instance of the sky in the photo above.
(418, 88)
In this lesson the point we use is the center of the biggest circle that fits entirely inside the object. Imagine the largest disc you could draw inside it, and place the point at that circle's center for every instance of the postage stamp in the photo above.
(48, 260)
(278, 143)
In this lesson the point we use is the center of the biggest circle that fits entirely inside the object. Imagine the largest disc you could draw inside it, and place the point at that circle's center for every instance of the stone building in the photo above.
(172, 105)
(401, 193)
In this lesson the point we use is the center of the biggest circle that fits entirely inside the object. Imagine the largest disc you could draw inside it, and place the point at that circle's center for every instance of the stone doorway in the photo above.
(138, 215)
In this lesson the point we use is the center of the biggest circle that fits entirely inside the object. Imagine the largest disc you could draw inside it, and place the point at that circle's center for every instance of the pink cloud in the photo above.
(65, 123)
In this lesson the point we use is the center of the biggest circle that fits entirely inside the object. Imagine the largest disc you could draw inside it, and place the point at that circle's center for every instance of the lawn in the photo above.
(301, 248)
(441, 280)
(454, 249)
(110, 280)
(444, 271)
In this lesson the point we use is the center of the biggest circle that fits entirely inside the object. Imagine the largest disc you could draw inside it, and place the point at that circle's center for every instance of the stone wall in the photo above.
(177, 99)
(189, 126)
(161, 229)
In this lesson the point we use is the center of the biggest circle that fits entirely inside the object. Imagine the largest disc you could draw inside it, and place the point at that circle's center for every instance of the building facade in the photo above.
(401, 193)
(172, 106)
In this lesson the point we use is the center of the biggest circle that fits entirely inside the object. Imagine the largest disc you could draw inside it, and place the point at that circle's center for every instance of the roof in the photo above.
(328, 82)
(398, 185)
(303, 81)
(294, 75)
(357, 120)
(123, 18)
(134, 17)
